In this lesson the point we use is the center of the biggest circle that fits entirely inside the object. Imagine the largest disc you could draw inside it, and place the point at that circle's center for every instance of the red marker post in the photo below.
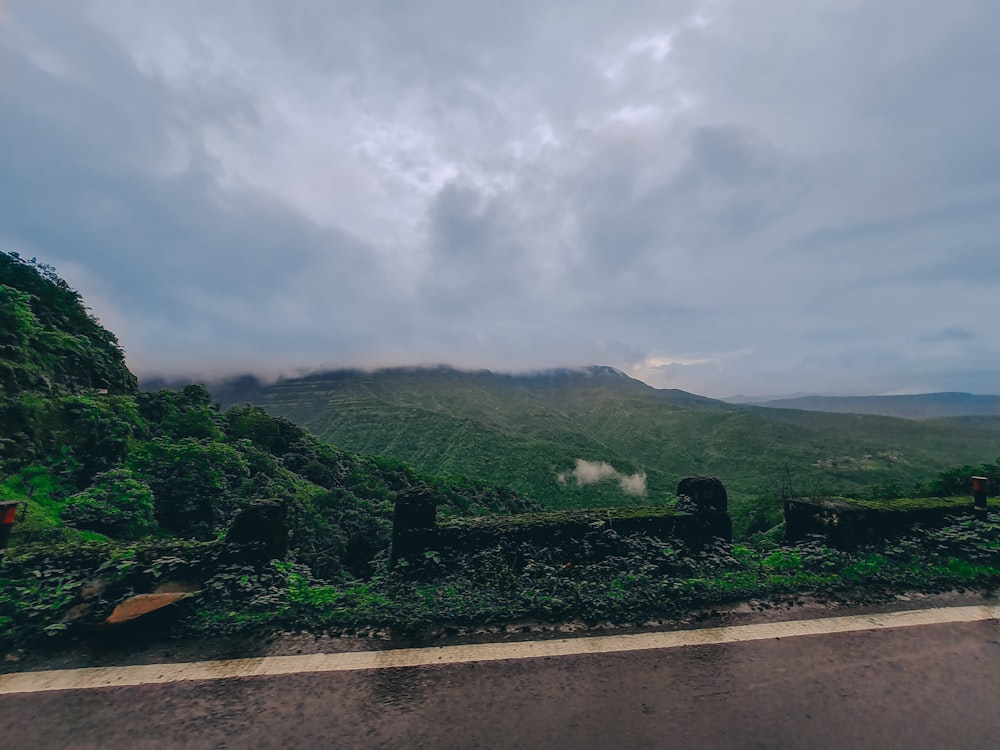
(8, 515)
(979, 495)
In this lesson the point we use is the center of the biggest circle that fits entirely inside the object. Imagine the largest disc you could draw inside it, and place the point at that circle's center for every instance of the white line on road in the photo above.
(151, 674)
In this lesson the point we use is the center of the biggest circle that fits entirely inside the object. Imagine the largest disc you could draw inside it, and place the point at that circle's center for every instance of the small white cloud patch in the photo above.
(591, 472)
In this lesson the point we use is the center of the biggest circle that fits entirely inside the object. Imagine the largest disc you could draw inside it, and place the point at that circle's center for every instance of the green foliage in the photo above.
(50, 342)
(904, 504)
(187, 414)
(81, 435)
(626, 579)
(117, 505)
(117, 463)
(958, 480)
(195, 483)
(596, 517)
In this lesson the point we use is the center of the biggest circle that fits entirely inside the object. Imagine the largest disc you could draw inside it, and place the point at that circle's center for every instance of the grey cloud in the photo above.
(519, 185)
(953, 333)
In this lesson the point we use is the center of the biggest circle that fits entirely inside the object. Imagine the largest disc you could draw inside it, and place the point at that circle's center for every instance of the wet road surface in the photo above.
(931, 686)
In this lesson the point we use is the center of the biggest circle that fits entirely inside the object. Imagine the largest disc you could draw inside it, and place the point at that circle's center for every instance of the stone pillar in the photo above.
(706, 499)
(415, 512)
(260, 531)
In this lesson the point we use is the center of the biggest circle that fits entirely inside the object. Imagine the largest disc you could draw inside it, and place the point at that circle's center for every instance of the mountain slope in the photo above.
(529, 430)
(49, 342)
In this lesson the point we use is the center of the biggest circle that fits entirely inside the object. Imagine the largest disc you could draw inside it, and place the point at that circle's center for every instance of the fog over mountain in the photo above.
(716, 196)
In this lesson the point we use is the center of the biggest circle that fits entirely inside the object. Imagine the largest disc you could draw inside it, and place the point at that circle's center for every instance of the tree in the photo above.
(196, 483)
(116, 504)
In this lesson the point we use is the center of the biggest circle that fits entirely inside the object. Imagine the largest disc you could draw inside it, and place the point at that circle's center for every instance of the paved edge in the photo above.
(152, 674)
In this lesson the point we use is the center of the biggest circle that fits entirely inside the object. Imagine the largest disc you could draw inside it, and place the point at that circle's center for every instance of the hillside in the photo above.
(96, 460)
(529, 430)
(49, 342)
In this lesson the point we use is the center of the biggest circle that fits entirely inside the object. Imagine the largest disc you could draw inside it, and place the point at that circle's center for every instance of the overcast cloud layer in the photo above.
(725, 197)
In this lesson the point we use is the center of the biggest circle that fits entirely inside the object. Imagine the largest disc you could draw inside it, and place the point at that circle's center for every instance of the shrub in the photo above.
(116, 504)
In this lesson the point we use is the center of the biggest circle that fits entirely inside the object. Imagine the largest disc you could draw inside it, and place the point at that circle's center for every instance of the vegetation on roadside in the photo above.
(605, 577)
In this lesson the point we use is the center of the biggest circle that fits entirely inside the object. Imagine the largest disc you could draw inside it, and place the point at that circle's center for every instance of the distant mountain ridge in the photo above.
(917, 406)
(546, 433)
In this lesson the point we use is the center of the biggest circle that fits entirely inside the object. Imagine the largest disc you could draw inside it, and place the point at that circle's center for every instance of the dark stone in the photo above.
(845, 525)
(415, 511)
(416, 508)
(702, 495)
(260, 531)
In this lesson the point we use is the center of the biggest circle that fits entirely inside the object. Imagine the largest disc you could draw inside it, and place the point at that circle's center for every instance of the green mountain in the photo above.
(533, 431)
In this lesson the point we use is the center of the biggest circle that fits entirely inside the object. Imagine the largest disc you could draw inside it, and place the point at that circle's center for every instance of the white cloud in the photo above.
(592, 472)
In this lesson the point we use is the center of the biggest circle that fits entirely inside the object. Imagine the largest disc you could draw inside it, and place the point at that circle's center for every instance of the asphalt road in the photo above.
(929, 686)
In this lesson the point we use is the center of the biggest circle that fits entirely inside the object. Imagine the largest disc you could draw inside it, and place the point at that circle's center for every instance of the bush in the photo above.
(117, 505)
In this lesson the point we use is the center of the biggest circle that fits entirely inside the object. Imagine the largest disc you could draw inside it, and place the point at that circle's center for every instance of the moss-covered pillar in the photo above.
(259, 532)
(706, 499)
(415, 512)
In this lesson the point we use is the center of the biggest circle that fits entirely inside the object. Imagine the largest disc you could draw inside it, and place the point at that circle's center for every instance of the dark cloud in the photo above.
(712, 195)
(948, 334)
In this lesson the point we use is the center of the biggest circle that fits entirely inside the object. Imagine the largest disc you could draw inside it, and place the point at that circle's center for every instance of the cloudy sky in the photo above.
(728, 197)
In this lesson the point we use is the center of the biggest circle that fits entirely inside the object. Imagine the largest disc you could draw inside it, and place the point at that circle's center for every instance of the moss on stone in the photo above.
(906, 504)
(558, 518)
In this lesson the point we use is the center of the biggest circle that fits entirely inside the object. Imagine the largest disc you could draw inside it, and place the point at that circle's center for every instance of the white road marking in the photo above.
(152, 674)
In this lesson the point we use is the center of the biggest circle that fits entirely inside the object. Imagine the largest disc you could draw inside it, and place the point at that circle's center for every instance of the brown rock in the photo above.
(142, 604)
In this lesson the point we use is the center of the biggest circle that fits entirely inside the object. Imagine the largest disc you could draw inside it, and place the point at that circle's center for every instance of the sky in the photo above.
(766, 198)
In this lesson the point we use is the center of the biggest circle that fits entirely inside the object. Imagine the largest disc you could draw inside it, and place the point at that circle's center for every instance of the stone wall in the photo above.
(701, 515)
(846, 523)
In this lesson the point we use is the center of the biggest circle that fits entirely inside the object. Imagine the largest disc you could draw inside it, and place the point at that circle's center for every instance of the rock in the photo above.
(415, 512)
(142, 604)
(78, 612)
(93, 589)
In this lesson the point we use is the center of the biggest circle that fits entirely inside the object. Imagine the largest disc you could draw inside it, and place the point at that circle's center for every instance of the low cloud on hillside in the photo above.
(591, 472)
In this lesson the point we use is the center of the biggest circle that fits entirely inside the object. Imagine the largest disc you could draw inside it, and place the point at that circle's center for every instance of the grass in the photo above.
(36, 486)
